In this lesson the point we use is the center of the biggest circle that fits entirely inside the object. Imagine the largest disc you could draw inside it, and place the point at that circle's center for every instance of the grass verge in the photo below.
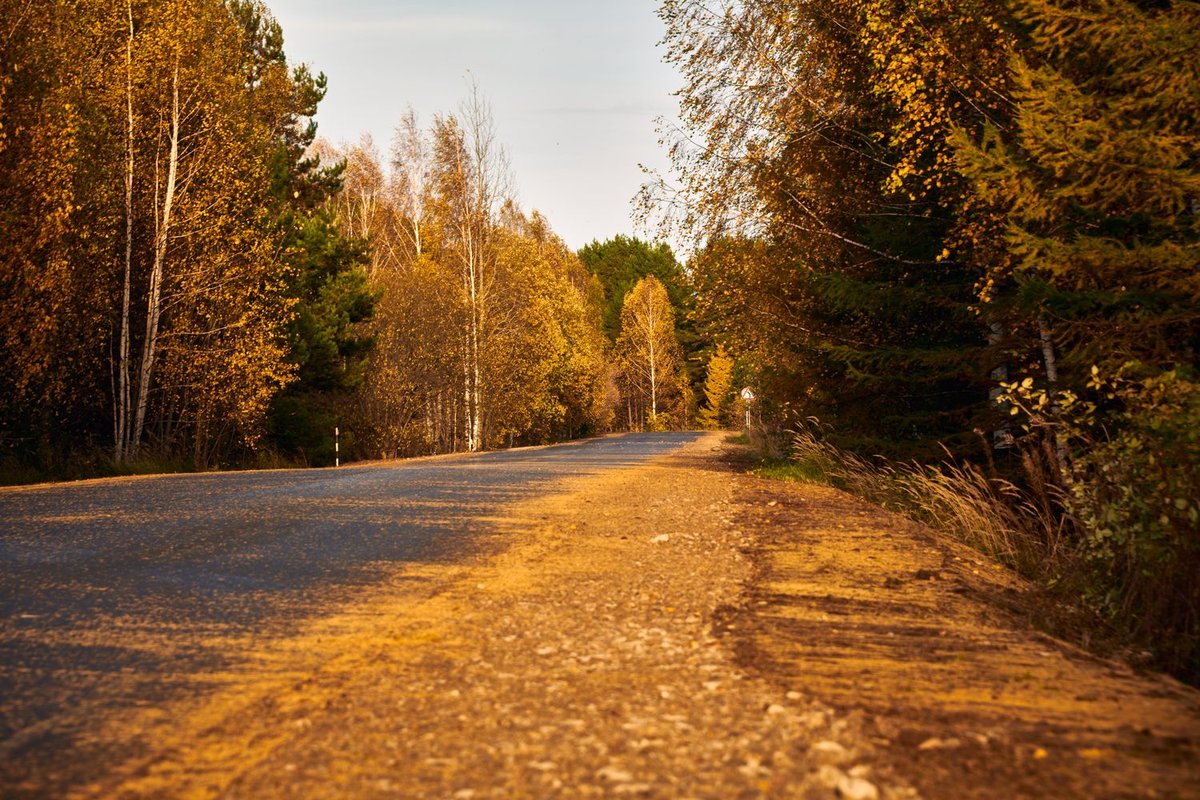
(1016, 527)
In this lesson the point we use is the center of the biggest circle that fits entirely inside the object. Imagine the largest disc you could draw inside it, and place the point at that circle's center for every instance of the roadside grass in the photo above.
(797, 471)
(102, 466)
(990, 514)
(21, 474)
(1020, 528)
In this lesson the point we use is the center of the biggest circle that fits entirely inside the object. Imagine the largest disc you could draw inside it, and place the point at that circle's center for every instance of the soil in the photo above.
(677, 630)
(935, 645)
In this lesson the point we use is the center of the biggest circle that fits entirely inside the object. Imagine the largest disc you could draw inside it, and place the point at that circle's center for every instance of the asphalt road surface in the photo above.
(172, 561)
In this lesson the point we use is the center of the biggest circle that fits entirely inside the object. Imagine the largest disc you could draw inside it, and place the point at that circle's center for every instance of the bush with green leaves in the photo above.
(1132, 486)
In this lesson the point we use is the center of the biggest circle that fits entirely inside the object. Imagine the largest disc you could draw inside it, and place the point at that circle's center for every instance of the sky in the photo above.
(575, 88)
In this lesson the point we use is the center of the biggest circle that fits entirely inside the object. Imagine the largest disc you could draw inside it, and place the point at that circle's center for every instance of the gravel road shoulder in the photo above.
(934, 644)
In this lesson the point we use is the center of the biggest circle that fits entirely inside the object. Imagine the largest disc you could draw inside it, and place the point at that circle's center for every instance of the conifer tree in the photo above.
(1097, 181)
(718, 385)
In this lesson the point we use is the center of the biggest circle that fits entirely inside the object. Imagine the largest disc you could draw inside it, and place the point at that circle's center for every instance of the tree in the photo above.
(326, 220)
(620, 262)
(648, 351)
(487, 332)
(718, 388)
(154, 135)
(212, 352)
(1096, 183)
(1097, 179)
(470, 180)
(327, 341)
(794, 187)
(409, 182)
(61, 203)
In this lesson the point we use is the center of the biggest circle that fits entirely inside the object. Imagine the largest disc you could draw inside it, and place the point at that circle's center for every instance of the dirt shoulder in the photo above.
(932, 642)
(675, 630)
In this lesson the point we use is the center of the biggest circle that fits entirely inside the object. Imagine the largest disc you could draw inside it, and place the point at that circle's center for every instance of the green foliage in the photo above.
(1133, 489)
(330, 283)
(325, 268)
(325, 338)
(621, 262)
(809, 471)
(618, 264)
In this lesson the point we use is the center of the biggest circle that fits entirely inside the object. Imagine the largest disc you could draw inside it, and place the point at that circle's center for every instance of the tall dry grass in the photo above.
(1149, 617)
(1021, 528)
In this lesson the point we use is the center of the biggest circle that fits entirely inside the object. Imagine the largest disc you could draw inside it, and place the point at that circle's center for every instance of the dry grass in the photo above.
(991, 514)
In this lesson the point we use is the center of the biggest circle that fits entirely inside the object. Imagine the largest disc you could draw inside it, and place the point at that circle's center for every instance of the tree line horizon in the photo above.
(192, 278)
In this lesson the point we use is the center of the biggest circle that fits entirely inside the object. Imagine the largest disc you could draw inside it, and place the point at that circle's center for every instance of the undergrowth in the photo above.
(1023, 527)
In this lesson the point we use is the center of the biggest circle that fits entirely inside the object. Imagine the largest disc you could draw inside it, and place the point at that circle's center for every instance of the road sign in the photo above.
(748, 395)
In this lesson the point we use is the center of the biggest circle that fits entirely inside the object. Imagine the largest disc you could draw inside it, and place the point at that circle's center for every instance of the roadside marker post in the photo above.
(337, 447)
(748, 395)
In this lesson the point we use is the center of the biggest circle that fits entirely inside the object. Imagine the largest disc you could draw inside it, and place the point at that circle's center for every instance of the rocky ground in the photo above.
(677, 630)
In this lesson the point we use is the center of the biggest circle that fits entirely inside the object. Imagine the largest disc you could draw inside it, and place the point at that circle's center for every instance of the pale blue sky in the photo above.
(575, 87)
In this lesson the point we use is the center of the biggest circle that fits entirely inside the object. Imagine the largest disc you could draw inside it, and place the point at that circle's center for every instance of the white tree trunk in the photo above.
(154, 299)
(651, 333)
(1051, 363)
(121, 434)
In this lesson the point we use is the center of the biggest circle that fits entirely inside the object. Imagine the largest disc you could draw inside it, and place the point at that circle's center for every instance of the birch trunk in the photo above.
(468, 423)
(653, 361)
(154, 299)
(121, 434)
(476, 393)
(1051, 363)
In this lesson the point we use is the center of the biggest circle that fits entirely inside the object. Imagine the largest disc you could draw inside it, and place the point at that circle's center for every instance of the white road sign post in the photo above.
(748, 396)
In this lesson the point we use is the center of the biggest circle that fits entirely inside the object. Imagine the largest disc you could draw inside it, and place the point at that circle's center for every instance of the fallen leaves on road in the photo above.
(730, 638)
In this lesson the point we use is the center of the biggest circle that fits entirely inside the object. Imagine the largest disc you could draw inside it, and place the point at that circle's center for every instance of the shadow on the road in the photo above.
(176, 563)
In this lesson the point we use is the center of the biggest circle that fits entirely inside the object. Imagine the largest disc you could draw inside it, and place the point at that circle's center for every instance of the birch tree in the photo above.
(121, 402)
(410, 180)
(648, 349)
(471, 180)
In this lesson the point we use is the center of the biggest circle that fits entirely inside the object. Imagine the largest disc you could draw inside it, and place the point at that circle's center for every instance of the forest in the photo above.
(955, 244)
(952, 246)
(192, 278)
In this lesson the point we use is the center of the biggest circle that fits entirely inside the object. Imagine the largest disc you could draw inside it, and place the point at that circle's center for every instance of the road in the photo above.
(629, 616)
(115, 593)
